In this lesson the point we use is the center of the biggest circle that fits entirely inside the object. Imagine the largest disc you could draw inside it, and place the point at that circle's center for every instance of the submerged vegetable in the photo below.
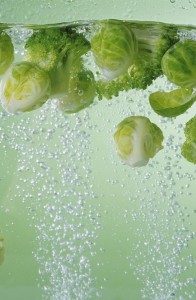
(130, 55)
(80, 92)
(179, 64)
(190, 129)
(137, 140)
(49, 47)
(114, 47)
(24, 87)
(189, 147)
(189, 151)
(152, 43)
(6, 52)
(72, 83)
(172, 104)
(2, 250)
(46, 48)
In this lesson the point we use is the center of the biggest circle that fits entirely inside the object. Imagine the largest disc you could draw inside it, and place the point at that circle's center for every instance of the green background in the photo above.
(19, 275)
(49, 11)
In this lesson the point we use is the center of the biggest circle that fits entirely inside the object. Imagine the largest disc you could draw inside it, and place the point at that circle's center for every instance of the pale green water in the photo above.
(123, 226)
(77, 223)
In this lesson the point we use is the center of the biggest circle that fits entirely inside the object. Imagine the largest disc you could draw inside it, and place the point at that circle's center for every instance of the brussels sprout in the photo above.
(6, 52)
(189, 151)
(80, 91)
(179, 64)
(2, 250)
(172, 104)
(114, 47)
(189, 146)
(24, 87)
(190, 129)
(138, 140)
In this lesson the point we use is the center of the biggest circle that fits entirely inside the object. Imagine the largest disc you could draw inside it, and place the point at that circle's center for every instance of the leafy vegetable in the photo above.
(189, 147)
(138, 140)
(189, 151)
(179, 64)
(2, 250)
(24, 87)
(172, 104)
(152, 43)
(80, 91)
(114, 47)
(190, 129)
(6, 52)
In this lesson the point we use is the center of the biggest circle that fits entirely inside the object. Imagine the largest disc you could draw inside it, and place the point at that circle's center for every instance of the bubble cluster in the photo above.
(159, 209)
(55, 185)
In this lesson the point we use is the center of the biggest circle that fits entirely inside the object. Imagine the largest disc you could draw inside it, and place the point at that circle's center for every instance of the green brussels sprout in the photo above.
(179, 64)
(172, 104)
(189, 151)
(114, 47)
(189, 146)
(2, 250)
(190, 129)
(80, 91)
(137, 140)
(24, 87)
(6, 52)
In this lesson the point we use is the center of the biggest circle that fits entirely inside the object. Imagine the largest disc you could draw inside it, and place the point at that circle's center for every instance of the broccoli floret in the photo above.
(153, 42)
(137, 77)
(46, 47)
(71, 83)
(57, 51)
(72, 62)
(49, 47)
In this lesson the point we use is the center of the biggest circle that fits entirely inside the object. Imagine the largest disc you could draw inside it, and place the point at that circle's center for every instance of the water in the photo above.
(79, 224)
